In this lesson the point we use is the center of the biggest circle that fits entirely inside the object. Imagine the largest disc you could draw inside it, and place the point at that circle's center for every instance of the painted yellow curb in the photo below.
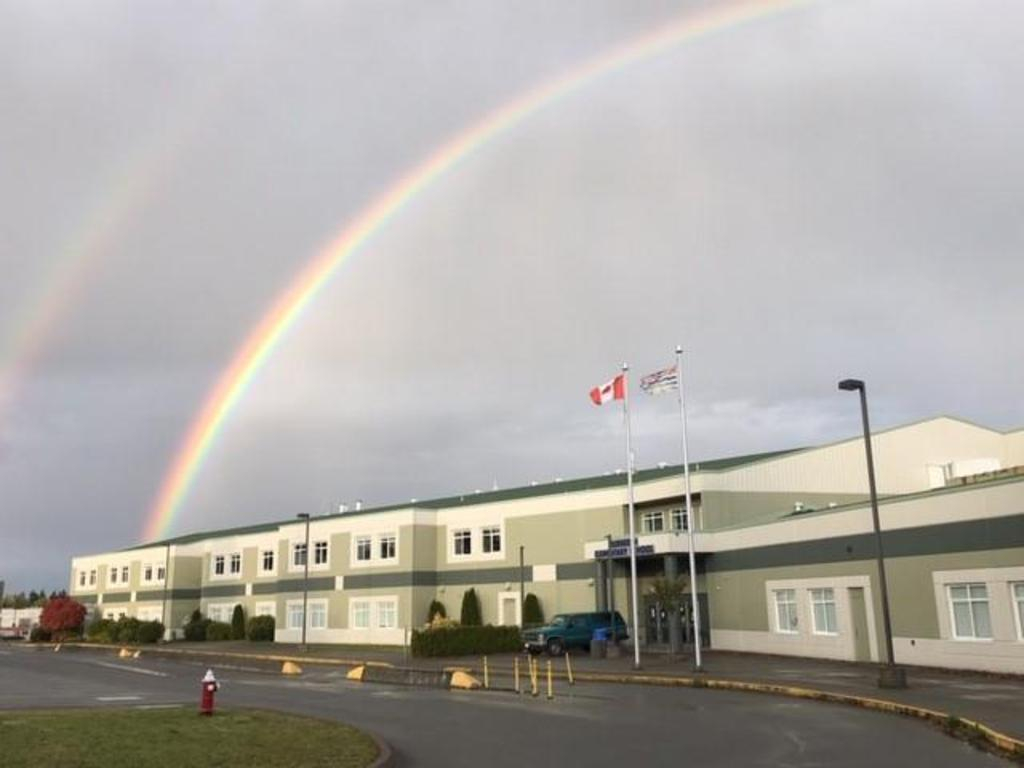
(464, 681)
(56, 648)
(124, 653)
(290, 668)
(356, 673)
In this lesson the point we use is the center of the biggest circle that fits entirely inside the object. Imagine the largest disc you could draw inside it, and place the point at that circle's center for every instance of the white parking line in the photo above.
(118, 698)
(137, 670)
(158, 706)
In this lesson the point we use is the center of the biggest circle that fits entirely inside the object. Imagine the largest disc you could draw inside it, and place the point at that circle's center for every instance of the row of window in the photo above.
(151, 574)
(654, 520)
(387, 547)
(490, 541)
(823, 611)
(365, 614)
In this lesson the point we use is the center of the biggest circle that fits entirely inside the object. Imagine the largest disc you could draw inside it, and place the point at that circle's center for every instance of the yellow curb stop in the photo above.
(463, 681)
(290, 668)
(357, 673)
(124, 653)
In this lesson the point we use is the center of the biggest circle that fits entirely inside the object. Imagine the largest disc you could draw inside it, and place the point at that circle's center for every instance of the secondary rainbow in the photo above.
(288, 307)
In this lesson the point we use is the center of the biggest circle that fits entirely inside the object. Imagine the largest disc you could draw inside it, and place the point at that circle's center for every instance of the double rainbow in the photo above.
(289, 306)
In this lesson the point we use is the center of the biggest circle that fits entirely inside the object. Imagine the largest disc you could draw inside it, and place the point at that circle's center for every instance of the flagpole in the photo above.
(690, 522)
(632, 522)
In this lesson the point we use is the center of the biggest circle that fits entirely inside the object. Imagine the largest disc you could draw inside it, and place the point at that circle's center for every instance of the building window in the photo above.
(823, 611)
(388, 547)
(92, 578)
(785, 610)
(361, 614)
(267, 562)
(299, 555)
(492, 539)
(318, 615)
(236, 563)
(218, 565)
(320, 553)
(363, 548)
(386, 614)
(113, 575)
(652, 522)
(1018, 601)
(124, 574)
(160, 573)
(969, 605)
(266, 609)
(463, 542)
(679, 519)
(295, 616)
(81, 578)
(147, 573)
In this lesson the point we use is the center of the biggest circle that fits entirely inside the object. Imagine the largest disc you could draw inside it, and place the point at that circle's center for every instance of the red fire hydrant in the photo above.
(209, 686)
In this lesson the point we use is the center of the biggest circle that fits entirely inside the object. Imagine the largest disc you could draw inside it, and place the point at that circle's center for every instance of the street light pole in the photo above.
(305, 580)
(890, 676)
(167, 576)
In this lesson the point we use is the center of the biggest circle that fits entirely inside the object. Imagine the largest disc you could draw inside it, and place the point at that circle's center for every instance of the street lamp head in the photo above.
(303, 515)
(851, 385)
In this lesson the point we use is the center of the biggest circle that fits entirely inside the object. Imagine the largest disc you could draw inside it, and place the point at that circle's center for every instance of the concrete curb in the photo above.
(385, 754)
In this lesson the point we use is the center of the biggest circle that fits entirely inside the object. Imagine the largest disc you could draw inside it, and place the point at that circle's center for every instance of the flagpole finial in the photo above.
(625, 366)
(679, 349)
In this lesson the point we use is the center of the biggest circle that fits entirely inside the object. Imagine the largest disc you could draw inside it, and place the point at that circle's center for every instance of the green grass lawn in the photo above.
(153, 738)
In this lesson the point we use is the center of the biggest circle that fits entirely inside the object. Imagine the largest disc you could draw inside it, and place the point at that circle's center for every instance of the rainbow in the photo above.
(233, 382)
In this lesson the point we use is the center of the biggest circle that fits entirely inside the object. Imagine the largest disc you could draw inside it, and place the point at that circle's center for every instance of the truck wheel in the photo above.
(555, 647)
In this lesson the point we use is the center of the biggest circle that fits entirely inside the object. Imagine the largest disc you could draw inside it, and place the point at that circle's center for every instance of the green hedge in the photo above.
(465, 641)
(218, 630)
(260, 629)
(151, 631)
(195, 630)
(127, 629)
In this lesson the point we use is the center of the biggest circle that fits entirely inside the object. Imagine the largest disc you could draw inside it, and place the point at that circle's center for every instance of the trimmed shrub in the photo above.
(465, 641)
(100, 630)
(151, 631)
(533, 616)
(217, 631)
(195, 630)
(238, 623)
(260, 629)
(125, 630)
(470, 609)
(436, 609)
(39, 635)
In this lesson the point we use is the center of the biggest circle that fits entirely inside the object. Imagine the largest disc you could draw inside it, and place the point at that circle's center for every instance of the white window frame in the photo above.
(357, 606)
(294, 549)
(363, 544)
(647, 521)
(793, 628)
(221, 561)
(464, 535)
(224, 611)
(161, 573)
(291, 608)
(813, 597)
(147, 573)
(324, 546)
(112, 574)
(317, 609)
(392, 613)
(235, 564)
(677, 516)
(263, 561)
(492, 531)
(125, 574)
(383, 540)
(1017, 605)
(92, 577)
(970, 601)
(81, 578)
(266, 608)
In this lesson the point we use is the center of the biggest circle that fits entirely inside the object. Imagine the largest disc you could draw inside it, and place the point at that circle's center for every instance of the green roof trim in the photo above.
(592, 483)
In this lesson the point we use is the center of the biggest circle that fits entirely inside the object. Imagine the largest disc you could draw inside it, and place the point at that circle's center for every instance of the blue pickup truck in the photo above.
(573, 630)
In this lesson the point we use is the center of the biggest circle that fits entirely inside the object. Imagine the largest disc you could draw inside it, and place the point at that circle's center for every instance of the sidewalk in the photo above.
(996, 701)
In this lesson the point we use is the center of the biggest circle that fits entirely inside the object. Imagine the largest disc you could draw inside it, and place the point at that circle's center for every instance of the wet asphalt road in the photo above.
(588, 725)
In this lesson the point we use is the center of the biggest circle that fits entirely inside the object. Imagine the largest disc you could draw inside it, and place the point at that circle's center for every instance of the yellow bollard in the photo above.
(551, 689)
(533, 677)
(515, 673)
(568, 668)
(487, 675)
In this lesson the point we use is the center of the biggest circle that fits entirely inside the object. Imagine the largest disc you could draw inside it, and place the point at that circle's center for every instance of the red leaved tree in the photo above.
(62, 616)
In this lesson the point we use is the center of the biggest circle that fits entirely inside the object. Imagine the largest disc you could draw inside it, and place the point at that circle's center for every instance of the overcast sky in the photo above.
(832, 191)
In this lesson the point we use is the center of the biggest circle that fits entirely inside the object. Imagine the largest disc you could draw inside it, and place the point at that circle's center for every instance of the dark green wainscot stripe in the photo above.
(225, 590)
(966, 536)
(117, 597)
(318, 584)
(184, 594)
(150, 595)
(437, 578)
(86, 599)
(575, 571)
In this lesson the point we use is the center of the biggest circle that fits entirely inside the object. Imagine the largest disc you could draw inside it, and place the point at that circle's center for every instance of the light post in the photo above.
(890, 676)
(305, 579)
(167, 576)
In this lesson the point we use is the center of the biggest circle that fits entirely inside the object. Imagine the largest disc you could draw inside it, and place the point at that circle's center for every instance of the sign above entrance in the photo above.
(620, 548)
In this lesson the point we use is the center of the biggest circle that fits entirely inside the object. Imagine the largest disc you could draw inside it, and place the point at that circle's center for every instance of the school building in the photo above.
(783, 541)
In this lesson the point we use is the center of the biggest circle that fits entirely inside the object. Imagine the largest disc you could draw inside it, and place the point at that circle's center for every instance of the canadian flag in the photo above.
(613, 390)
